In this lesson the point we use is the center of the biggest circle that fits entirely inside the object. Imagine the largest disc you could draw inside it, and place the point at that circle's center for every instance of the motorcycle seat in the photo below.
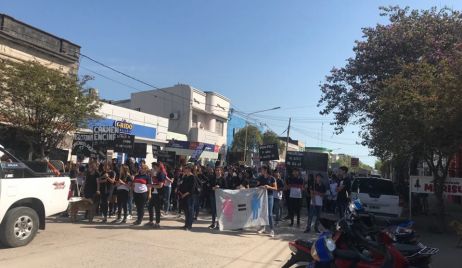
(304, 243)
(408, 250)
(351, 255)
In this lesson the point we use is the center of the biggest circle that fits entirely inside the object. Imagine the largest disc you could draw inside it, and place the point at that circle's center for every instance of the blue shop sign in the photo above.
(126, 127)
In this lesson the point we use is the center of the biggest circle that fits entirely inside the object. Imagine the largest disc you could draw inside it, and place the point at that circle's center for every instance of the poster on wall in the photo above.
(237, 209)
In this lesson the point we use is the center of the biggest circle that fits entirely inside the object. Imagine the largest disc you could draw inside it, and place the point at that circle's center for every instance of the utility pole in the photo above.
(245, 141)
(287, 144)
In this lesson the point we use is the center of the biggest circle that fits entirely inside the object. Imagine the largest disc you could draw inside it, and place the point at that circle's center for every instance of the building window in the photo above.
(194, 120)
(219, 127)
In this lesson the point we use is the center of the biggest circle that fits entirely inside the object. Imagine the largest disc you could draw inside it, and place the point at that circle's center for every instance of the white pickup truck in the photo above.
(26, 199)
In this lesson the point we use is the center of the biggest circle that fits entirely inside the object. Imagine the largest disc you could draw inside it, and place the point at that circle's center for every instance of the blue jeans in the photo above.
(167, 193)
(314, 211)
(270, 211)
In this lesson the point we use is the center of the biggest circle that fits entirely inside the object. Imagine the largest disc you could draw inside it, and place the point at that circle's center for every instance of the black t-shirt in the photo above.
(214, 181)
(266, 181)
(342, 195)
(187, 185)
(91, 182)
(280, 184)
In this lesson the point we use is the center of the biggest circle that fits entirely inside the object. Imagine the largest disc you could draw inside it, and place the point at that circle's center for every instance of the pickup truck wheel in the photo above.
(19, 227)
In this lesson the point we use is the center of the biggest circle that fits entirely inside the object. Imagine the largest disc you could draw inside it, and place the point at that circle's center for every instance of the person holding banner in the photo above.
(277, 207)
(216, 182)
(295, 186)
(268, 182)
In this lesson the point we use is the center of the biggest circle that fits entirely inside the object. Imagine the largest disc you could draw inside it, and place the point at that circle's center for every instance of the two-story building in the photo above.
(22, 42)
(201, 115)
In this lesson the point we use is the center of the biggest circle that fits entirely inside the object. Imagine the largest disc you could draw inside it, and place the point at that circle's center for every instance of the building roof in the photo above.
(16, 30)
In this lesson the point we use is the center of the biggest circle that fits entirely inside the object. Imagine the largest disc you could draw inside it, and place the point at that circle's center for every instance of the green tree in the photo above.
(378, 165)
(403, 86)
(270, 137)
(254, 139)
(43, 105)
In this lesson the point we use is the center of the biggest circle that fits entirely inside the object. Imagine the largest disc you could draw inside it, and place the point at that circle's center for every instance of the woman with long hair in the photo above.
(123, 190)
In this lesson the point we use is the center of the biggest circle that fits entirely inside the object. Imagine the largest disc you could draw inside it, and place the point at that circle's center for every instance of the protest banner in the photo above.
(237, 209)
(424, 184)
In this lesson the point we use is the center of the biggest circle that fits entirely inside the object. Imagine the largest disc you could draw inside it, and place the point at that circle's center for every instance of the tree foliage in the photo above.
(42, 104)
(255, 138)
(403, 86)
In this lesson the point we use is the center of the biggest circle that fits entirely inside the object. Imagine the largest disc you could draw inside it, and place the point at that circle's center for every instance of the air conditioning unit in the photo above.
(174, 116)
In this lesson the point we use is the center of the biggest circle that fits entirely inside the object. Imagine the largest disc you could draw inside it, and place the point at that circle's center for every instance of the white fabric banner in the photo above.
(237, 209)
(424, 184)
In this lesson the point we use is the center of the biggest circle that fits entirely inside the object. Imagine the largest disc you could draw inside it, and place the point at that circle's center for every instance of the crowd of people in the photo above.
(190, 189)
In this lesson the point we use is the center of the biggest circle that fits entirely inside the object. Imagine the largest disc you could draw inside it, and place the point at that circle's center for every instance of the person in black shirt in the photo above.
(90, 186)
(216, 182)
(105, 187)
(317, 195)
(158, 175)
(343, 190)
(186, 191)
(268, 182)
(295, 186)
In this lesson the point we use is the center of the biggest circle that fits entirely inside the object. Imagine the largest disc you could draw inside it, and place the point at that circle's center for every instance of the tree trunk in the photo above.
(439, 187)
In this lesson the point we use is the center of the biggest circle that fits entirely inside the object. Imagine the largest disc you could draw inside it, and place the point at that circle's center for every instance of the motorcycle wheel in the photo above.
(290, 262)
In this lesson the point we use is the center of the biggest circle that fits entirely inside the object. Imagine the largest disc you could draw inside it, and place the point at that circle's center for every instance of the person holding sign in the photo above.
(317, 194)
(268, 182)
(295, 187)
(217, 181)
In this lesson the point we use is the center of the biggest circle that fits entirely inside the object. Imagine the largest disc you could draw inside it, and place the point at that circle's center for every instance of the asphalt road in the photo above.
(64, 244)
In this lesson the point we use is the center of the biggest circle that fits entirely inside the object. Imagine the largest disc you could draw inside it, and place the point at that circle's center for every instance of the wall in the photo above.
(175, 100)
(22, 42)
(162, 104)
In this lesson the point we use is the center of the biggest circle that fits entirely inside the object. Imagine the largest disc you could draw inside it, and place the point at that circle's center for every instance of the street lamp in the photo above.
(246, 128)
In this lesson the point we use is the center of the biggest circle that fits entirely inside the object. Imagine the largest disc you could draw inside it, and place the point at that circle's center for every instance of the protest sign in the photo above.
(237, 209)
(268, 152)
(294, 159)
(167, 158)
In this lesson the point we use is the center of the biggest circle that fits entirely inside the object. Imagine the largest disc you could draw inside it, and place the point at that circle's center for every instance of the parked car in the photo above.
(26, 199)
(378, 196)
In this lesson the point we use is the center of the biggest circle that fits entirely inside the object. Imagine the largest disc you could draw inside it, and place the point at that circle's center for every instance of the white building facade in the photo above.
(201, 115)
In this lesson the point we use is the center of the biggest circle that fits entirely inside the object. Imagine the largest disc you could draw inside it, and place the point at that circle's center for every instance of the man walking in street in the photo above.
(343, 190)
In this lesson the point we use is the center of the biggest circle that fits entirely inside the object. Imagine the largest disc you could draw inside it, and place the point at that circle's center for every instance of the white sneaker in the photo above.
(262, 230)
(272, 233)
(129, 217)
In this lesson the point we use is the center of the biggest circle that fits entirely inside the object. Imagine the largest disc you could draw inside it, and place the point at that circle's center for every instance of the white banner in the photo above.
(237, 209)
(424, 184)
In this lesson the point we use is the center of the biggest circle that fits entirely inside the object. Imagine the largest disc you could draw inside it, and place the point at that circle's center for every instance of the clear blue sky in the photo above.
(260, 54)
